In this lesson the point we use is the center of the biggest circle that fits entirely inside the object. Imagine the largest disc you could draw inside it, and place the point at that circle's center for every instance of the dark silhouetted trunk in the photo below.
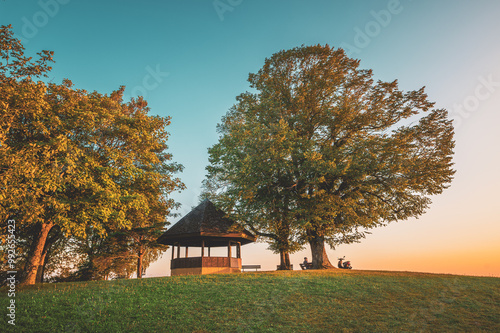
(35, 258)
(53, 236)
(140, 255)
(41, 268)
(318, 251)
(88, 270)
(284, 261)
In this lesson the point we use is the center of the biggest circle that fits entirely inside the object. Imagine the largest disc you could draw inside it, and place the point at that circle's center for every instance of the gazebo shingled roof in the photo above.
(208, 224)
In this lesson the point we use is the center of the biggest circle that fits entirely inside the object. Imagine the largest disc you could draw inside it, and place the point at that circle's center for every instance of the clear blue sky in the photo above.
(451, 47)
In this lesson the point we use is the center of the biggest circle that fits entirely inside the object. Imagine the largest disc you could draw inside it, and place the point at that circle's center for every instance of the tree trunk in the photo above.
(284, 261)
(41, 268)
(51, 239)
(140, 255)
(319, 256)
(34, 260)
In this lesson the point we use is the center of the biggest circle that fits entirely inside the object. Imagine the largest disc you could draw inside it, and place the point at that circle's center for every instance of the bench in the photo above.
(309, 266)
(256, 267)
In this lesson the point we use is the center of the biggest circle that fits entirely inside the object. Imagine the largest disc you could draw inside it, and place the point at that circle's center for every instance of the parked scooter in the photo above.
(344, 265)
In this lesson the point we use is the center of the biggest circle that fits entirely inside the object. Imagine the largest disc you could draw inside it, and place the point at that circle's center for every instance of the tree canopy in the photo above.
(321, 152)
(81, 161)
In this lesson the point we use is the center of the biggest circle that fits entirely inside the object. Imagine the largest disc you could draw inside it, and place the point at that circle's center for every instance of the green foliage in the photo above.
(312, 301)
(116, 255)
(72, 157)
(322, 151)
(81, 161)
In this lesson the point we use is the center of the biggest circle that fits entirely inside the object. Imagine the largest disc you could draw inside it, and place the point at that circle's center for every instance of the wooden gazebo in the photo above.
(206, 227)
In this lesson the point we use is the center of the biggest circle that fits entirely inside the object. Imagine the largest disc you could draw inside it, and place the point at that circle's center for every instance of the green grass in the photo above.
(308, 301)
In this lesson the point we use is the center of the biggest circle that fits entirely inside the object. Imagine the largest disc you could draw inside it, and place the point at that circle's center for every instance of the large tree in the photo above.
(247, 176)
(68, 157)
(336, 152)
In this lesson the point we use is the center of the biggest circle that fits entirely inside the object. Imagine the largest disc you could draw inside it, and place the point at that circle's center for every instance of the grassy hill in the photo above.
(307, 301)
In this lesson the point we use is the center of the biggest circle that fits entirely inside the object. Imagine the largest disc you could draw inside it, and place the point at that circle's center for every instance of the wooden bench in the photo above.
(309, 266)
(256, 267)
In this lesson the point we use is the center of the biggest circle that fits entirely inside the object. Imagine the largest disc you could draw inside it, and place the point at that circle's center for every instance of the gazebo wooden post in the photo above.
(209, 251)
(173, 251)
(203, 248)
(178, 250)
(238, 250)
(229, 254)
(187, 251)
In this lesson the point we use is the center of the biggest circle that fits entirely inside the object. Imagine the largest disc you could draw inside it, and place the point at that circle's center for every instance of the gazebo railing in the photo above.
(194, 262)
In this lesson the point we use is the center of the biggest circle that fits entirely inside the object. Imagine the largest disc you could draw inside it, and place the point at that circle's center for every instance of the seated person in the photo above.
(306, 263)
